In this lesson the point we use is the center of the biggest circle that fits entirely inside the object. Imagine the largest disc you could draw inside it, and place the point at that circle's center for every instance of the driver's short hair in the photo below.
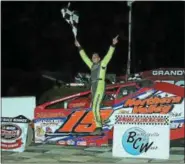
(95, 53)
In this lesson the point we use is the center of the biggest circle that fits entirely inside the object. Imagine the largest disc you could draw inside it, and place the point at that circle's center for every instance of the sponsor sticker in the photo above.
(50, 114)
(45, 127)
(81, 143)
(11, 136)
(14, 133)
(153, 104)
(10, 131)
(92, 144)
(12, 145)
(70, 142)
(62, 142)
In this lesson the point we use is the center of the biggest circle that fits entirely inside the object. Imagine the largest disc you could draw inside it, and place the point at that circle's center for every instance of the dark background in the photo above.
(36, 38)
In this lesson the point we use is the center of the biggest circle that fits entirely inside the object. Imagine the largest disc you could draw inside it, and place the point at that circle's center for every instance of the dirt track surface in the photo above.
(53, 154)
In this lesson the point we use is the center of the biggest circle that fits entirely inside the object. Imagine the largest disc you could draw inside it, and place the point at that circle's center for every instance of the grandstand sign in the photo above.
(168, 72)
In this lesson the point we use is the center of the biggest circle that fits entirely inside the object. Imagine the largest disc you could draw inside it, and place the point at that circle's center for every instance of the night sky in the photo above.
(35, 37)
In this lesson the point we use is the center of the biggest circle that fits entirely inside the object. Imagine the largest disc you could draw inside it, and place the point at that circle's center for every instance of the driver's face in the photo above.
(95, 58)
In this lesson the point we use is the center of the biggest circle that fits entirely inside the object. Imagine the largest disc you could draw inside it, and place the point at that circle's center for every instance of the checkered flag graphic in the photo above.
(167, 120)
(117, 117)
(119, 120)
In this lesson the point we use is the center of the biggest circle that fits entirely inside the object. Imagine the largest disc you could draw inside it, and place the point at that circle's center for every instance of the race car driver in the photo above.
(98, 71)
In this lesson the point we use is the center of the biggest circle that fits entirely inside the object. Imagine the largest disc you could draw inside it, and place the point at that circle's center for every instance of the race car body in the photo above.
(69, 120)
(169, 75)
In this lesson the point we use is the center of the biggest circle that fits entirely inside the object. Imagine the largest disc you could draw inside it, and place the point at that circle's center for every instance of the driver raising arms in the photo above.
(98, 69)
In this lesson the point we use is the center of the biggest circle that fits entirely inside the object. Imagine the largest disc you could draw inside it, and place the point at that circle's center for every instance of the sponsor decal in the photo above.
(46, 127)
(81, 121)
(17, 119)
(39, 131)
(62, 142)
(121, 111)
(175, 125)
(90, 139)
(81, 143)
(70, 142)
(168, 73)
(48, 130)
(136, 141)
(50, 122)
(12, 145)
(49, 114)
(11, 132)
(104, 144)
(14, 133)
(75, 105)
(175, 114)
(153, 104)
(92, 144)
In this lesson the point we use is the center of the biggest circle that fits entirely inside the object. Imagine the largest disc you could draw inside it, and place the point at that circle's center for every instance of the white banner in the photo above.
(141, 136)
(15, 106)
(13, 134)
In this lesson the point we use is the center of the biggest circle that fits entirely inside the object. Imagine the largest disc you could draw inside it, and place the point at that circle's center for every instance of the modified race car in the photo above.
(69, 120)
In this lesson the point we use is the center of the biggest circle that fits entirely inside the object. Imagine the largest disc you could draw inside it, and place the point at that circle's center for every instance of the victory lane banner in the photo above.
(142, 136)
(14, 133)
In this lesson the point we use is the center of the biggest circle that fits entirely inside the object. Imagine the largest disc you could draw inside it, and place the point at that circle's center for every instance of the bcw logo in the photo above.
(135, 141)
